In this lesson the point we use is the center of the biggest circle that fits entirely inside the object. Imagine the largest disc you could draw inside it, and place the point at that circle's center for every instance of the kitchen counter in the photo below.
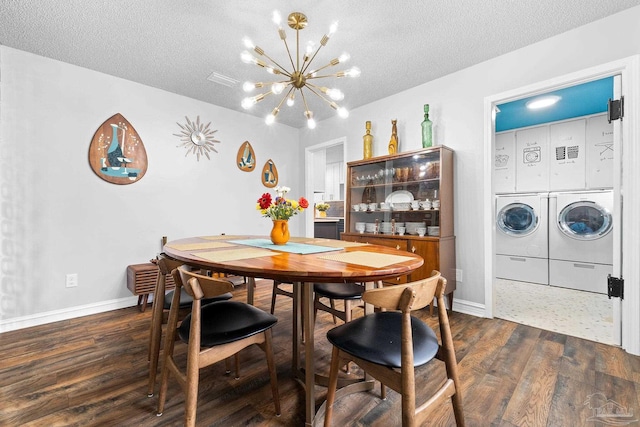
(328, 228)
(328, 219)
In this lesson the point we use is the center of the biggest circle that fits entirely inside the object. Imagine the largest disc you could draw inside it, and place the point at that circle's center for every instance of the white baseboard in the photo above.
(461, 306)
(65, 314)
(469, 307)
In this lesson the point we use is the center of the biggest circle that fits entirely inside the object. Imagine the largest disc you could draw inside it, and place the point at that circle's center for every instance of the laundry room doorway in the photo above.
(544, 278)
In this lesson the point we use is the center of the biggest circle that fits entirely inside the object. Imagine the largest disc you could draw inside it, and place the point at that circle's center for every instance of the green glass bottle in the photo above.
(427, 129)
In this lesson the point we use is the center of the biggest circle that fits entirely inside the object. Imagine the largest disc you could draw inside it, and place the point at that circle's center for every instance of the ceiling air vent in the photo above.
(222, 79)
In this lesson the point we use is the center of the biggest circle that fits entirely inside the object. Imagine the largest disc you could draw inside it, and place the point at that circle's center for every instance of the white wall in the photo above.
(58, 217)
(457, 110)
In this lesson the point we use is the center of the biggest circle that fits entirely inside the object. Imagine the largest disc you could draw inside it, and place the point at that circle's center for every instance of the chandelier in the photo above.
(300, 78)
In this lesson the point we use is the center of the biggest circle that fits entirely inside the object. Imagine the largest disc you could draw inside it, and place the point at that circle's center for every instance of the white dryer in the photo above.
(580, 239)
(522, 237)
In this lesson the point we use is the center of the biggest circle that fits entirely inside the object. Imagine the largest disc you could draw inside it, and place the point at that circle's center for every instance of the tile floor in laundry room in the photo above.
(581, 314)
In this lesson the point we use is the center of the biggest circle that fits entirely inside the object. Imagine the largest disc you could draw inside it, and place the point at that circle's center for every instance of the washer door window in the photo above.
(517, 219)
(584, 220)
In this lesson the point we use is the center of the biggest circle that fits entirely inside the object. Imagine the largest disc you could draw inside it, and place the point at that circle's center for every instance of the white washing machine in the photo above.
(522, 237)
(580, 239)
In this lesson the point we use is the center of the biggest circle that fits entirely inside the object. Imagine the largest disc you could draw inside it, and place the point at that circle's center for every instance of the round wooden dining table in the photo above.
(302, 261)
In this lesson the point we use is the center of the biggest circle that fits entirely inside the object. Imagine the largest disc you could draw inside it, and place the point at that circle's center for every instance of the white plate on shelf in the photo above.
(400, 196)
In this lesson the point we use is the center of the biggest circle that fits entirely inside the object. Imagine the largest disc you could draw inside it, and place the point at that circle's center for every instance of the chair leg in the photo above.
(333, 385)
(164, 378)
(333, 306)
(155, 332)
(273, 296)
(268, 349)
(237, 359)
(347, 318)
(191, 398)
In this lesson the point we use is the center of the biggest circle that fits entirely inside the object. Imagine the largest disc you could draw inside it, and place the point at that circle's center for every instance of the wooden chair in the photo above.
(161, 306)
(347, 292)
(213, 332)
(395, 343)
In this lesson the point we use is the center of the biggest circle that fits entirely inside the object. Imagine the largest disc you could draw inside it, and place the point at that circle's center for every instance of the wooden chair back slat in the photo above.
(391, 297)
(208, 287)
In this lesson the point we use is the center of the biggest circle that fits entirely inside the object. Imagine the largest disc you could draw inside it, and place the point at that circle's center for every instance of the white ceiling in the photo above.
(176, 45)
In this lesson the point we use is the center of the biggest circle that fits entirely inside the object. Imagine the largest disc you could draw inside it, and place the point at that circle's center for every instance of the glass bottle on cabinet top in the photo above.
(367, 142)
(407, 194)
(427, 129)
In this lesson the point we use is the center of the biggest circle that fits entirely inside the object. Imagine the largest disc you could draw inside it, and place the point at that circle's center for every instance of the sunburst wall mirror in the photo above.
(197, 138)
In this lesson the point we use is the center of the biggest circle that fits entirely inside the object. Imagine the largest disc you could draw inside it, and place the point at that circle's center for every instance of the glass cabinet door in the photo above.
(405, 189)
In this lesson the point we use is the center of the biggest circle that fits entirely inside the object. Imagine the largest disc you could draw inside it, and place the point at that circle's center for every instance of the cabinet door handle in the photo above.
(398, 247)
(413, 249)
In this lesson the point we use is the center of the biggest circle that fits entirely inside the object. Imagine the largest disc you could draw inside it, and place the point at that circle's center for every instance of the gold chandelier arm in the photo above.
(330, 64)
(279, 69)
(339, 74)
(304, 70)
(304, 99)
(286, 46)
(312, 88)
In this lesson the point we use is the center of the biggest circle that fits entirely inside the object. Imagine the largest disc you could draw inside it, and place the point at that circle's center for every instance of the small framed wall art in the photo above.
(117, 154)
(269, 174)
(246, 158)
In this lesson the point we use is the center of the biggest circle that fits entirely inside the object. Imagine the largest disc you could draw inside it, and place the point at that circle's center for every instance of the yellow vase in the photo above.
(280, 232)
(322, 214)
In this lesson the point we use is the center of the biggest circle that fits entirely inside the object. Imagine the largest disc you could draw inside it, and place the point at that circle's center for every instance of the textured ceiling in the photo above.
(176, 45)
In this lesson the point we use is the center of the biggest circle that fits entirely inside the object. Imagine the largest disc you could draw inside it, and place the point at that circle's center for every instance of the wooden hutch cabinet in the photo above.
(413, 190)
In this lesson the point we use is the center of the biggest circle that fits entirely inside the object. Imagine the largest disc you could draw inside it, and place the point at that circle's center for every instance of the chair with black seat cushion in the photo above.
(213, 332)
(347, 292)
(390, 345)
(161, 305)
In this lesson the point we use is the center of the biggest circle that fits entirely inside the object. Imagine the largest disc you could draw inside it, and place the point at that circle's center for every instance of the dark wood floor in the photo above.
(92, 371)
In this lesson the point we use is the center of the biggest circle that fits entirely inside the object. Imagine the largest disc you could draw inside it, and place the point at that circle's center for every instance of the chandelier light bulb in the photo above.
(344, 57)
(333, 28)
(335, 94)
(291, 100)
(343, 112)
(309, 51)
(353, 72)
(277, 18)
(248, 86)
(277, 88)
(247, 58)
(272, 117)
(248, 103)
(311, 123)
(248, 43)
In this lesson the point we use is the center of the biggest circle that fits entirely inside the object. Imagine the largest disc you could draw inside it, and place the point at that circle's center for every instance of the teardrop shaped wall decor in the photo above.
(246, 158)
(116, 153)
(269, 174)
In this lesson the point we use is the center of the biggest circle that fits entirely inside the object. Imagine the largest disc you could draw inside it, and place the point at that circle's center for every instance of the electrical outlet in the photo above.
(72, 280)
(458, 275)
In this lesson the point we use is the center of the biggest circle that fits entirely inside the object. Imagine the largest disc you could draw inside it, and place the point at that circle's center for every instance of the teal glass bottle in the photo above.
(427, 129)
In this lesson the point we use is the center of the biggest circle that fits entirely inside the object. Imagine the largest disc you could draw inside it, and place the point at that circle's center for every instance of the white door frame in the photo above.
(629, 69)
(309, 175)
